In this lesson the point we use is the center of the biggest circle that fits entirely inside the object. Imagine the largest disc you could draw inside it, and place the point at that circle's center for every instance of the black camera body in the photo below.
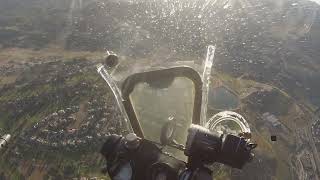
(148, 162)
(205, 147)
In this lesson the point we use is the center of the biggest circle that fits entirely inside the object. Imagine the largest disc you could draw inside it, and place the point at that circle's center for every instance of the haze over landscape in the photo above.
(59, 110)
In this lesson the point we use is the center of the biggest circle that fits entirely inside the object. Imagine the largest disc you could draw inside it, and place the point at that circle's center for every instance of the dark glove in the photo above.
(109, 147)
(118, 167)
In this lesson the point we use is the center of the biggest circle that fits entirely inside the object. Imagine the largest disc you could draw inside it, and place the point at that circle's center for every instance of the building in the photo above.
(272, 119)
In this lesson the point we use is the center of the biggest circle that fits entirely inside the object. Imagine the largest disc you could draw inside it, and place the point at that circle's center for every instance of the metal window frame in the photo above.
(173, 72)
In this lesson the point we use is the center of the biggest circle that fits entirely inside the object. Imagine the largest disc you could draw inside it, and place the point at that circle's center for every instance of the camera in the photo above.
(205, 147)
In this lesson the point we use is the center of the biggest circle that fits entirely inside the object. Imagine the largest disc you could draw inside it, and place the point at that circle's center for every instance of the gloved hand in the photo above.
(118, 165)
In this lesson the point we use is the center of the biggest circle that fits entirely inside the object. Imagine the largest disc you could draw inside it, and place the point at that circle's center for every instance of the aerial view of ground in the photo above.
(58, 109)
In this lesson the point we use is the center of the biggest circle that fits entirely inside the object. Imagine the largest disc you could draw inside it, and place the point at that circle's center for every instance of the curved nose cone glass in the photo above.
(153, 106)
(228, 122)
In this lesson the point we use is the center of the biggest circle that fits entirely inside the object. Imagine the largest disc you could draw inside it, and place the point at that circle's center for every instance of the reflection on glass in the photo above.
(154, 105)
